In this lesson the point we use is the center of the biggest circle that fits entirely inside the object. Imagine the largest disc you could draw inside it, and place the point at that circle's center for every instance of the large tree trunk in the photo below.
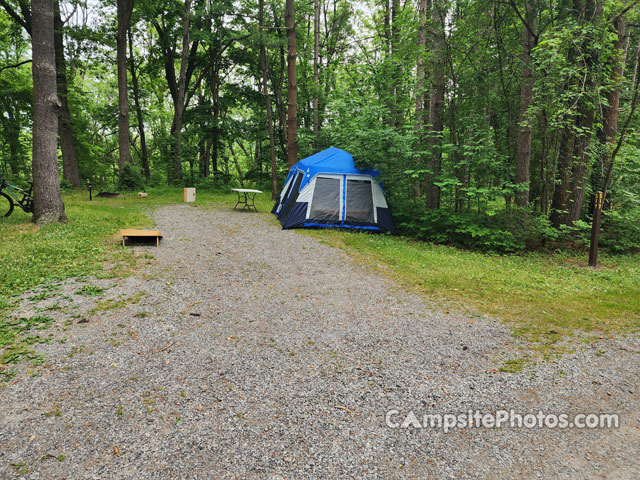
(579, 168)
(144, 156)
(48, 206)
(292, 118)
(523, 159)
(215, 147)
(179, 106)
(436, 102)
(265, 88)
(125, 7)
(316, 87)
(559, 204)
(420, 87)
(70, 170)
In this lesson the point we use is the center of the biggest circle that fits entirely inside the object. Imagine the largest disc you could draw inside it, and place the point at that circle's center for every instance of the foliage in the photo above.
(131, 178)
(370, 102)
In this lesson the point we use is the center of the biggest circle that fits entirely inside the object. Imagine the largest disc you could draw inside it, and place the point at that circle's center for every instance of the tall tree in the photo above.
(292, 117)
(265, 88)
(144, 154)
(420, 86)
(48, 206)
(125, 8)
(70, 171)
(568, 195)
(436, 101)
(316, 87)
(523, 159)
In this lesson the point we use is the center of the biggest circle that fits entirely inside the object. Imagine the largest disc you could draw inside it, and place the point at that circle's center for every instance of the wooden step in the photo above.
(129, 233)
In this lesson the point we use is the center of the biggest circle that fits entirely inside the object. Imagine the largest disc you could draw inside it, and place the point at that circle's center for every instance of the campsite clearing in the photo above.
(196, 374)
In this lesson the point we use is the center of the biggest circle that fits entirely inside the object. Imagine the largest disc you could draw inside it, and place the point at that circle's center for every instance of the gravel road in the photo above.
(245, 351)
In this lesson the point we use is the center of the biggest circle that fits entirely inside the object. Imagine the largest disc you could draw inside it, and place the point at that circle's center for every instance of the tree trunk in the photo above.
(572, 166)
(215, 80)
(292, 118)
(316, 86)
(70, 170)
(523, 158)
(124, 7)
(265, 88)
(436, 103)
(144, 157)
(420, 87)
(48, 206)
(559, 204)
(610, 113)
(579, 170)
(179, 105)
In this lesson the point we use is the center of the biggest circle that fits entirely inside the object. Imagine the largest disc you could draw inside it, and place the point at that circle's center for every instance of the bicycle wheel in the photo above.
(6, 205)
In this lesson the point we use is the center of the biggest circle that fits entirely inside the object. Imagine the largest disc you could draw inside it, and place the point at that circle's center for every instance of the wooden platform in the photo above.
(128, 233)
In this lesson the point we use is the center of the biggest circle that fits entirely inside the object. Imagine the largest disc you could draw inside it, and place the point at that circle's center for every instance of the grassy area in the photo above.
(88, 244)
(545, 298)
(32, 256)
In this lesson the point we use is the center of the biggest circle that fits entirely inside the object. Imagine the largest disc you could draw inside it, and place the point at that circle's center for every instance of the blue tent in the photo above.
(328, 190)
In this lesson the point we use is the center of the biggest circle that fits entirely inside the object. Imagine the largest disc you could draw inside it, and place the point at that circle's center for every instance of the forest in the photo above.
(492, 122)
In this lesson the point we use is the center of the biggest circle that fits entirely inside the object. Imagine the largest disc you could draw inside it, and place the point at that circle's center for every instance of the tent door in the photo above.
(357, 201)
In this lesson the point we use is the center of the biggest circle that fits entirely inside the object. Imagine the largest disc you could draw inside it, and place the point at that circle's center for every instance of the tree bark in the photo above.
(292, 84)
(124, 8)
(420, 87)
(523, 159)
(559, 204)
(436, 103)
(144, 156)
(610, 114)
(568, 196)
(265, 88)
(316, 86)
(70, 170)
(48, 206)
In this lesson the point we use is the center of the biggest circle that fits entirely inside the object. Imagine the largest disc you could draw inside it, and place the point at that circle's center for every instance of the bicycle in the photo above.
(10, 195)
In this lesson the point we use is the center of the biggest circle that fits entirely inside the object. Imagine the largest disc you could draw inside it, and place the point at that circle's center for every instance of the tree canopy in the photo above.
(493, 123)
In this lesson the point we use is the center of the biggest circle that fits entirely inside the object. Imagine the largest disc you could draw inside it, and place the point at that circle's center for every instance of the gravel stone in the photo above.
(245, 351)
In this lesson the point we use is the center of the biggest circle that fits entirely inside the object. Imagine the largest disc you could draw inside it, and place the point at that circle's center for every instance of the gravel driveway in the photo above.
(245, 351)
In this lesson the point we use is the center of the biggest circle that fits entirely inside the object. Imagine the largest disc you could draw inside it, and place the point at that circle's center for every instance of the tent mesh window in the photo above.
(359, 201)
(295, 191)
(325, 204)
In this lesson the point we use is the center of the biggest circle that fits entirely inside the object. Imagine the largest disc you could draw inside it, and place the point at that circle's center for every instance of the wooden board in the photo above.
(126, 233)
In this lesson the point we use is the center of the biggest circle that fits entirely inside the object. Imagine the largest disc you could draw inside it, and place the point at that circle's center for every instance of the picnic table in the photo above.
(246, 198)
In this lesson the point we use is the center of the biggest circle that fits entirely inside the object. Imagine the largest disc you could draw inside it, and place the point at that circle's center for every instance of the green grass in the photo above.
(32, 256)
(88, 244)
(545, 298)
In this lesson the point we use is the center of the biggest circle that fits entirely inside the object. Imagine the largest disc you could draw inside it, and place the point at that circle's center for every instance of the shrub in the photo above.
(621, 231)
(131, 177)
